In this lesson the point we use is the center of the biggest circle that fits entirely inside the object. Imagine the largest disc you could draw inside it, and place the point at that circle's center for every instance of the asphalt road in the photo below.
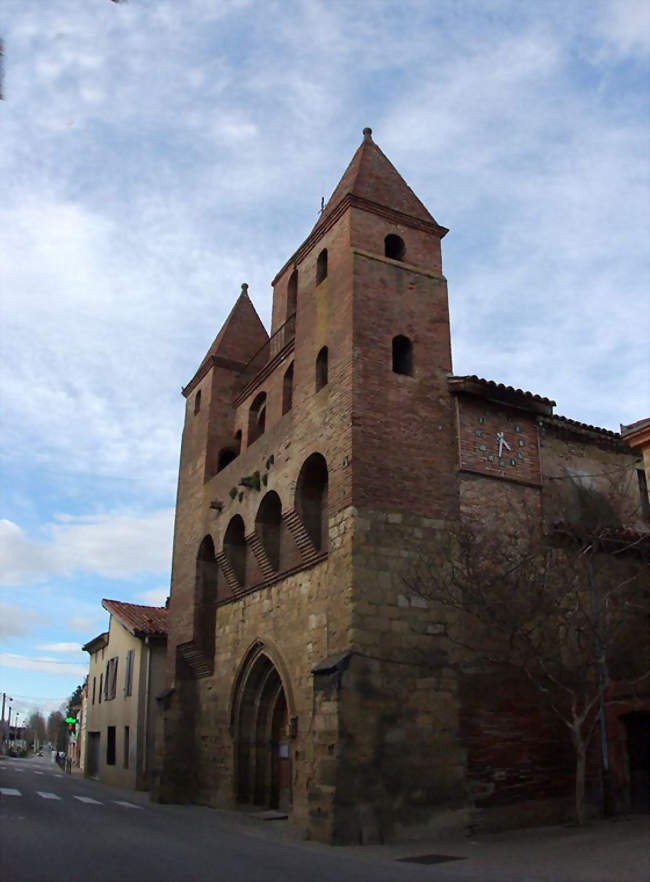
(63, 828)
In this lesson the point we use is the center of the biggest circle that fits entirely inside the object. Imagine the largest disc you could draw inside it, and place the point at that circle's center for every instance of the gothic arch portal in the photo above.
(261, 711)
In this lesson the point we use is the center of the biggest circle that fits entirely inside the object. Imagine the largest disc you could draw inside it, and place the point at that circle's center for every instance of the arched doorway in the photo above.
(262, 749)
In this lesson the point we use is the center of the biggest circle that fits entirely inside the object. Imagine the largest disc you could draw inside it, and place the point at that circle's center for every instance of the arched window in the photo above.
(237, 444)
(321, 368)
(226, 456)
(268, 524)
(257, 418)
(205, 601)
(311, 499)
(287, 389)
(292, 294)
(321, 266)
(234, 547)
(394, 247)
(197, 402)
(402, 355)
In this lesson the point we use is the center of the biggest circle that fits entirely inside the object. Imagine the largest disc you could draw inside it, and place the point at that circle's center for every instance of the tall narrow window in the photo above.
(110, 746)
(268, 525)
(128, 673)
(292, 294)
(197, 402)
(237, 444)
(94, 685)
(234, 547)
(287, 389)
(402, 355)
(257, 418)
(205, 597)
(101, 680)
(311, 499)
(321, 368)
(321, 266)
(394, 247)
(126, 747)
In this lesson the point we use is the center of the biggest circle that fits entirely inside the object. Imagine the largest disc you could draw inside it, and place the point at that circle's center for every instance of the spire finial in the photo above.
(244, 288)
(367, 134)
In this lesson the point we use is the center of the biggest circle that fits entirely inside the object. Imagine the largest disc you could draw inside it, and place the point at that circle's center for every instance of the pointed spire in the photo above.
(241, 335)
(371, 176)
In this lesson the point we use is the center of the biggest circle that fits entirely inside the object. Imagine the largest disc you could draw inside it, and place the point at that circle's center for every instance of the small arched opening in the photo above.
(402, 355)
(234, 547)
(287, 390)
(197, 402)
(394, 247)
(311, 499)
(226, 456)
(268, 525)
(257, 418)
(322, 368)
(321, 266)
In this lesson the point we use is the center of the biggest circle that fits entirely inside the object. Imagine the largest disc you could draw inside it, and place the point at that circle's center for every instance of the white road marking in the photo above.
(47, 795)
(126, 804)
(88, 800)
(10, 791)
(37, 773)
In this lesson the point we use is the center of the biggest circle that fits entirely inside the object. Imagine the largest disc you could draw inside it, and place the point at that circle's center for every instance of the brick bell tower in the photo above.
(313, 464)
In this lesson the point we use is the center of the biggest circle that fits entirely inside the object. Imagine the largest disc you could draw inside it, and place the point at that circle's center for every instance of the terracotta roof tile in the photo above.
(141, 621)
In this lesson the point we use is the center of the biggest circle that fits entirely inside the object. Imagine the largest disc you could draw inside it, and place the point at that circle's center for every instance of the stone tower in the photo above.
(311, 459)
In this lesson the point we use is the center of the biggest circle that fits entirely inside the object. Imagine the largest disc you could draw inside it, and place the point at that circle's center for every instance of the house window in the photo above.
(234, 547)
(257, 418)
(643, 494)
(321, 368)
(268, 525)
(321, 266)
(110, 679)
(237, 444)
(287, 390)
(101, 680)
(197, 402)
(311, 499)
(402, 355)
(394, 247)
(292, 294)
(126, 747)
(128, 673)
(110, 746)
(94, 685)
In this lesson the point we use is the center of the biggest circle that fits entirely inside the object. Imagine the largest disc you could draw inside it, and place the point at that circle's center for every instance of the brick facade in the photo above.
(302, 676)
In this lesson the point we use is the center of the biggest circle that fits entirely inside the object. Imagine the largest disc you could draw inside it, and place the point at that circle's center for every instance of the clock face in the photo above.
(500, 443)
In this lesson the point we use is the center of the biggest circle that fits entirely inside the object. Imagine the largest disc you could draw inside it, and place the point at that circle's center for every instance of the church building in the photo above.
(315, 464)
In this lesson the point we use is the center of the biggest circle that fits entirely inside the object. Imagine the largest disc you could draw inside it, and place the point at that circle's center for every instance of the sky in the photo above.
(155, 154)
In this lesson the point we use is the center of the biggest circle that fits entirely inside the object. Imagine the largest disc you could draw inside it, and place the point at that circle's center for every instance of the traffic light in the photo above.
(71, 723)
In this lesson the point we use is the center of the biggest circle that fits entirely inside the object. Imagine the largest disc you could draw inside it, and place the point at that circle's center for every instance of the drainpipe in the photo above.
(145, 723)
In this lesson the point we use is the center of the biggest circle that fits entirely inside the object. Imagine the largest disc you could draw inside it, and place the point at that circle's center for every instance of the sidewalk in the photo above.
(603, 851)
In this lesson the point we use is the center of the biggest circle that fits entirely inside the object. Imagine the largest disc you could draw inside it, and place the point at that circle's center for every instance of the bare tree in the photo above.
(569, 613)
(37, 727)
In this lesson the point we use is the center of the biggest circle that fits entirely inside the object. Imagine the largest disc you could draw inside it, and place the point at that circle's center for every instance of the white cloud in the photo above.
(60, 647)
(154, 596)
(117, 545)
(16, 621)
(83, 623)
(43, 665)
